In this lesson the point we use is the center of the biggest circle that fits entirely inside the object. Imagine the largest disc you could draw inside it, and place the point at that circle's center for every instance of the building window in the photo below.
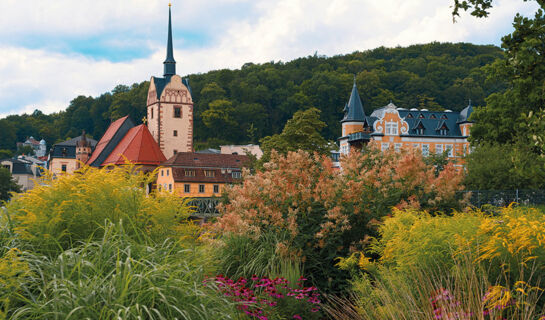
(175, 133)
(174, 152)
(189, 173)
(391, 128)
(152, 113)
(209, 173)
(450, 150)
(384, 146)
(64, 152)
(438, 148)
(416, 146)
(425, 150)
(420, 131)
(432, 116)
(397, 147)
(236, 174)
(161, 173)
(465, 149)
(216, 188)
(187, 188)
(443, 132)
(201, 188)
(170, 187)
(167, 172)
(177, 112)
(63, 168)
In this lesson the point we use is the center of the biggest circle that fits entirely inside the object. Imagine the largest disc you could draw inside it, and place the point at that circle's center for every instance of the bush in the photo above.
(320, 213)
(61, 211)
(484, 266)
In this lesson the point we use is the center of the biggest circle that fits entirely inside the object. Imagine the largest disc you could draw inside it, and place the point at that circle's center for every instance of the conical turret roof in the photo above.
(354, 110)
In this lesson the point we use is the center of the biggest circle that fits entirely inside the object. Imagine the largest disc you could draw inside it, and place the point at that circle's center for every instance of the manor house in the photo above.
(393, 127)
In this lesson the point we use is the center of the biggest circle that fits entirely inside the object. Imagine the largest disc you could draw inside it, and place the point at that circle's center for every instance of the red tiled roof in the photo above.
(137, 146)
(206, 160)
(108, 135)
(226, 177)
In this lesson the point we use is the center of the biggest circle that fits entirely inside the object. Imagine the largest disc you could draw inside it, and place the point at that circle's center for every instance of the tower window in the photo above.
(177, 112)
(175, 133)
(152, 113)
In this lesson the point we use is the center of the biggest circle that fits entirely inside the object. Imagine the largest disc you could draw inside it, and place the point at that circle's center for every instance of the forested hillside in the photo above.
(244, 105)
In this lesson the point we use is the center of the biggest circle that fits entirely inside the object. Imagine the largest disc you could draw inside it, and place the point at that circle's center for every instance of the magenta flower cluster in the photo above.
(257, 297)
(446, 307)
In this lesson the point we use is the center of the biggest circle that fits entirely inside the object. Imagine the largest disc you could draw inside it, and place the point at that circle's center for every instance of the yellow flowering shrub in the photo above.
(63, 210)
(13, 273)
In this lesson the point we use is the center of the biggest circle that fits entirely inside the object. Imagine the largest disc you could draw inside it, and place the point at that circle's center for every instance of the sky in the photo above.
(52, 51)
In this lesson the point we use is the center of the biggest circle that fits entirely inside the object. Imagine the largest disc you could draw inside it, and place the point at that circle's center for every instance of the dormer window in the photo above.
(410, 116)
(420, 131)
(64, 152)
(443, 132)
(421, 116)
(433, 116)
(444, 117)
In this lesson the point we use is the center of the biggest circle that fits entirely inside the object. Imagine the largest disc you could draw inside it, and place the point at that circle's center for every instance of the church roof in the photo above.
(354, 108)
(111, 138)
(138, 147)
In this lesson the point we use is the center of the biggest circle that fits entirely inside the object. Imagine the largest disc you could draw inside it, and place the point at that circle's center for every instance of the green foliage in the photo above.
(242, 256)
(26, 150)
(228, 103)
(5, 154)
(115, 277)
(7, 185)
(64, 210)
(503, 120)
(302, 132)
(505, 167)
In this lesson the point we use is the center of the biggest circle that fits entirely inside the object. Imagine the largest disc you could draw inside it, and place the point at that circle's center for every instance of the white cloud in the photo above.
(263, 30)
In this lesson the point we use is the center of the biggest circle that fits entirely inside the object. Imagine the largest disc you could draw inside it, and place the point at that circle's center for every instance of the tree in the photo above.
(505, 167)
(302, 132)
(477, 8)
(523, 71)
(7, 185)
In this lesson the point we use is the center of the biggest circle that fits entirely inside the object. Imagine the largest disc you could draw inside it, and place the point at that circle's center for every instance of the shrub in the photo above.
(490, 265)
(69, 208)
(320, 213)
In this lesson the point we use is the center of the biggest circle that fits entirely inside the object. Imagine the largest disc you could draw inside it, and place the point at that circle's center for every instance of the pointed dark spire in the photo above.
(354, 109)
(170, 63)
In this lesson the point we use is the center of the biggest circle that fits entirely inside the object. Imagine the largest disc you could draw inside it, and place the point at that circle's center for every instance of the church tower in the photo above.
(170, 106)
(83, 150)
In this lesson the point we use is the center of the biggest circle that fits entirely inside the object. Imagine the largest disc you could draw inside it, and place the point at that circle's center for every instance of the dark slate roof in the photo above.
(432, 121)
(72, 142)
(67, 149)
(432, 126)
(465, 113)
(354, 108)
(170, 63)
(20, 167)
